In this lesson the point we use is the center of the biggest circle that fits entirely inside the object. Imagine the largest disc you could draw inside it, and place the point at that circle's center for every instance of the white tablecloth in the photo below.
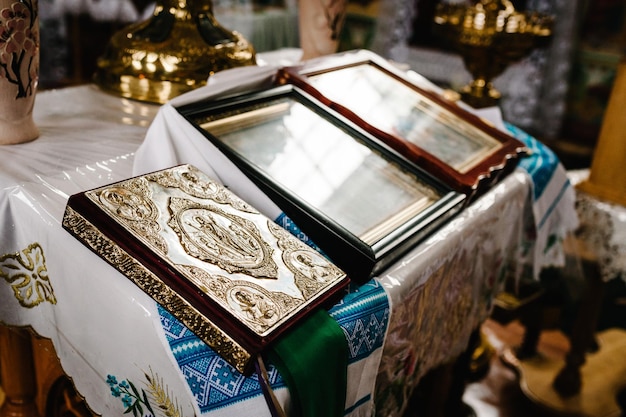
(111, 337)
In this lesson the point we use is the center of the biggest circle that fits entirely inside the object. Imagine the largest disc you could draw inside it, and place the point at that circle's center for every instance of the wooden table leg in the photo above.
(17, 373)
(568, 381)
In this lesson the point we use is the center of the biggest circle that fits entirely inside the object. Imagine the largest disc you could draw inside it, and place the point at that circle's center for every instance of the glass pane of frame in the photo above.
(393, 106)
(436, 134)
(323, 165)
(328, 172)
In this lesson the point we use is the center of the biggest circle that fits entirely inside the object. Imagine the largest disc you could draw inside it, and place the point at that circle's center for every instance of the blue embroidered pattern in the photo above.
(132, 400)
(213, 382)
(541, 164)
(363, 315)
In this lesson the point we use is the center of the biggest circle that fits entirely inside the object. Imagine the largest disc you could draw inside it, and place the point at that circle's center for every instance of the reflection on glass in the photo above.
(324, 166)
(394, 107)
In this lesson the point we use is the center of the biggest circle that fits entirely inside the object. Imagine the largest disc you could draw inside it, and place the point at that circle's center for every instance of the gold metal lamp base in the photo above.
(480, 93)
(489, 35)
(174, 51)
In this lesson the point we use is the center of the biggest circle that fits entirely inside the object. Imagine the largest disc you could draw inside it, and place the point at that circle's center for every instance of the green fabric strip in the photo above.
(312, 358)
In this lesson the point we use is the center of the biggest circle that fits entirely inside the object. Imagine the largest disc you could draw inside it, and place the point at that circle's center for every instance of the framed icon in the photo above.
(360, 201)
(436, 134)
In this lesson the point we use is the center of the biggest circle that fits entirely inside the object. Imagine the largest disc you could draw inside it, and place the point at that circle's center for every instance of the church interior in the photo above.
(565, 92)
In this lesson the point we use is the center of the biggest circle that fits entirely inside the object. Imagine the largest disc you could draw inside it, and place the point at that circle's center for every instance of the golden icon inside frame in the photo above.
(174, 51)
(490, 35)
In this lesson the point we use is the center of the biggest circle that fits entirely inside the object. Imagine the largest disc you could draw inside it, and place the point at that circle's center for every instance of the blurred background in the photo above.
(558, 93)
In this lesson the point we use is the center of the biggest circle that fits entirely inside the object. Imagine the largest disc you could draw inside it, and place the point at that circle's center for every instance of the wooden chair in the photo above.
(32, 379)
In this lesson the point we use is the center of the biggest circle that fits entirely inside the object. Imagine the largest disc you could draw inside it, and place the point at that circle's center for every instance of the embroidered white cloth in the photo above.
(465, 262)
(125, 355)
(602, 228)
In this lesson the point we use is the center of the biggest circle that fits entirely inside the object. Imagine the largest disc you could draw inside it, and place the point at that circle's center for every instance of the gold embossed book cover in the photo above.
(230, 274)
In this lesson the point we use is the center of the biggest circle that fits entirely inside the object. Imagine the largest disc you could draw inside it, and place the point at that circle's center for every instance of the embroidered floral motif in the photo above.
(139, 403)
(132, 400)
(27, 274)
(19, 45)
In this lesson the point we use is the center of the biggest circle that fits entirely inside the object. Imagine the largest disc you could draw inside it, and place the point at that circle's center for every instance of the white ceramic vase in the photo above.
(320, 24)
(19, 70)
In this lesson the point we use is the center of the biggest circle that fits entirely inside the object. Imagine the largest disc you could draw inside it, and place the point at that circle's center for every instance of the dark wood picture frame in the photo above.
(360, 201)
(420, 124)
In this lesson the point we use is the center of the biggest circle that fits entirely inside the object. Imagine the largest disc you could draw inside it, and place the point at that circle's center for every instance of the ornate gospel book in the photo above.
(231, 275)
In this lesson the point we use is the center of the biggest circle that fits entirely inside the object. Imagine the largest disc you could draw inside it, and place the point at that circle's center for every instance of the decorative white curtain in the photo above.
(54, 33)
(544, 110)
(101, 10)
(393, 29)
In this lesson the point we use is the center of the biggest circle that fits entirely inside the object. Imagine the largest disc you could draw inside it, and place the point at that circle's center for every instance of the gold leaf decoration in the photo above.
(27, 274)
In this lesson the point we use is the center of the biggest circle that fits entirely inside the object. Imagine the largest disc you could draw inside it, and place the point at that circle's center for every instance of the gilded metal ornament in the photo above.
(229, 241)
(210, 242)
(130, 204)
(194, 183)
(172, 52)
(490, 35)
(312, 272)
(152, 285)
(257, 307)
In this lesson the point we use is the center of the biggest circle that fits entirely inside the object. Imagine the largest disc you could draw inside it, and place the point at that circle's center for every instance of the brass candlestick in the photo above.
(490, 35)
(172, 52)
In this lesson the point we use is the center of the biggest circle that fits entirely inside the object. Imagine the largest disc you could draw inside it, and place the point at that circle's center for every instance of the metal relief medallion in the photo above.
(197, 184)
(128, 204)
(229, 241)
(131, 205)
(312, 271)
(254, 304)
(259, 308)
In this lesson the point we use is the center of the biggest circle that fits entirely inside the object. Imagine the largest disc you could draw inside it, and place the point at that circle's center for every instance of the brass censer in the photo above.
(489, 35)
(172, 52)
